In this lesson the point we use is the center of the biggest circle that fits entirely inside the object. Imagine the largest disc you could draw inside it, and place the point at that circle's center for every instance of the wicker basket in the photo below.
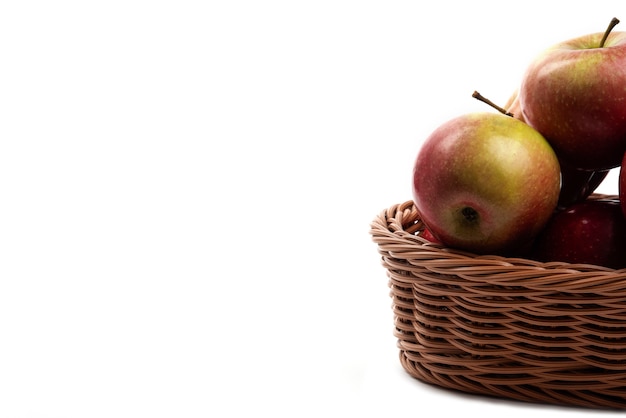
(552, 333)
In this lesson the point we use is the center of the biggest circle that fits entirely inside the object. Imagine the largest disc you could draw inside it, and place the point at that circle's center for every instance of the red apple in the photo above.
(574, 94)
(589, 232)
(485, 182)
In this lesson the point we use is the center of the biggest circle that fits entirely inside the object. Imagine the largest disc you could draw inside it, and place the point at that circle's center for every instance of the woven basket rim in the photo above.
(396, 229)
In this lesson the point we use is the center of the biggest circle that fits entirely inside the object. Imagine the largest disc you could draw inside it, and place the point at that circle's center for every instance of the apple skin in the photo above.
(589, 232)
(485, 183)
(573, 93)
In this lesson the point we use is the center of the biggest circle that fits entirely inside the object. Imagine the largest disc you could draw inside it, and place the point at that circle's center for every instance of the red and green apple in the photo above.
(486, 183)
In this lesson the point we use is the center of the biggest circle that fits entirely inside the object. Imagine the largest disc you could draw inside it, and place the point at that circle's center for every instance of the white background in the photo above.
(186, 189)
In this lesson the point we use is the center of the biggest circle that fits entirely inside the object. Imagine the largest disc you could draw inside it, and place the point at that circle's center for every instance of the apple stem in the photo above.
(483, 99)
(613, 23)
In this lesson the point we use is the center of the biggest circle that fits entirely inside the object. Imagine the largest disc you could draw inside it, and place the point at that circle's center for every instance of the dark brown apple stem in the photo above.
(483, 99)
(613, 23)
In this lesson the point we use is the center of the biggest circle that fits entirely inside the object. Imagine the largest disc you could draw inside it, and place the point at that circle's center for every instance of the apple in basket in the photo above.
(486, 183)
(589, 232)
(574, 94)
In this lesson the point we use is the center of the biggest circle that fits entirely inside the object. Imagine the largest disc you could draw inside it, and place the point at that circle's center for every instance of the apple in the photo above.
(589, 232)
(485, 182)
(574, 94)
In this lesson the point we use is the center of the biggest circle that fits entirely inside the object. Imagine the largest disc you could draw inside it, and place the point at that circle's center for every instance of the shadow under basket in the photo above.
(552, 333)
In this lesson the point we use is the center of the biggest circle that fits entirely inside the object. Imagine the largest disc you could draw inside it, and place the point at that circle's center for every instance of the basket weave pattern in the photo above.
(552, 333)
